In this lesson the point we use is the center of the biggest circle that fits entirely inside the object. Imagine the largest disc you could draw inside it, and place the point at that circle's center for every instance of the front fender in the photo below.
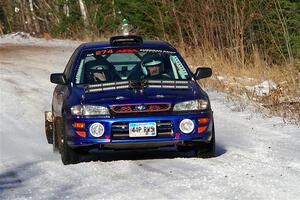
(61, 92)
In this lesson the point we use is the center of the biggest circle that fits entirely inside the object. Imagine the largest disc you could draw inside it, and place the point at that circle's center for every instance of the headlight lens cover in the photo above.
(89, 110)
(199, 104)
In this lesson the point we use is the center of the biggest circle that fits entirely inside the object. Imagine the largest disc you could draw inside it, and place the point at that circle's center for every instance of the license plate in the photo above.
(144, 129)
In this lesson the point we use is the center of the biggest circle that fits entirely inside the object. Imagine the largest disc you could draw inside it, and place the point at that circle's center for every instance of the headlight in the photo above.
(199, 104)
(89, 110)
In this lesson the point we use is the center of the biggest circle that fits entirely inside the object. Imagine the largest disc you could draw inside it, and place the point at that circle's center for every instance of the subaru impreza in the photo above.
(129, 93)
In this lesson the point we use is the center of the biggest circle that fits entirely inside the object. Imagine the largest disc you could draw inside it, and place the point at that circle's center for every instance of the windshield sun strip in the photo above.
(167, 82)
(148, 84)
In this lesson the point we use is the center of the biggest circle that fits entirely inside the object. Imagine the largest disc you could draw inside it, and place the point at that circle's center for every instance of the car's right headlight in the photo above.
(198, 104)
(86, 110)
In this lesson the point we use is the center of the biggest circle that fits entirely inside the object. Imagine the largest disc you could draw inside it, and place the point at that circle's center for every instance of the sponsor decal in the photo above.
(112, 51)
(127, 51)
(157, 51)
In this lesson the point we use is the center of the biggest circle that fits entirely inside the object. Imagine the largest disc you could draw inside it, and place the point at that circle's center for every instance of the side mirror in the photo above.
(58, 78)
(202, 72)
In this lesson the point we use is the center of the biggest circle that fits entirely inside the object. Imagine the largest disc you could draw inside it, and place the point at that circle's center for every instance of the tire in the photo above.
(206, 150)
(56, 126)
(68, 155)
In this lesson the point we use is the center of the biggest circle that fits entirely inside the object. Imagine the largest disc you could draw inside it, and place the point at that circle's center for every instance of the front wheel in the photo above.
(56, 126)
(206, 150)
(68, 155)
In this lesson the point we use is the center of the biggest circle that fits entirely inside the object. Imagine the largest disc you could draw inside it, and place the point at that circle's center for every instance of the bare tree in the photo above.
(285, 30)
(113, 9)
(180, 35)
(66, 8)
(83, 13)
(34, 19)
(2, 17)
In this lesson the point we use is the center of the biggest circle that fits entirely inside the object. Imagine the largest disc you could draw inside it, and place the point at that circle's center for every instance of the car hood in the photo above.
(132, 96)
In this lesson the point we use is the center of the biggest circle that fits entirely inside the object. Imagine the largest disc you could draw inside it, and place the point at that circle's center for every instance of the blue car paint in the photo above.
(75, 141)
(108, 98)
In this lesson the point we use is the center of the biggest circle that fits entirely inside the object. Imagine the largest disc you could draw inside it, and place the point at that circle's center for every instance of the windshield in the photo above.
(112, 65)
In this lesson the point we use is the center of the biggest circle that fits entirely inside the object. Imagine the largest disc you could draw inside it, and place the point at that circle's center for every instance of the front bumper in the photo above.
(111, 140)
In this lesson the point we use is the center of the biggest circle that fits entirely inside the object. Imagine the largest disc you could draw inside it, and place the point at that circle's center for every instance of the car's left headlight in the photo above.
(86, 110)
(199, 104)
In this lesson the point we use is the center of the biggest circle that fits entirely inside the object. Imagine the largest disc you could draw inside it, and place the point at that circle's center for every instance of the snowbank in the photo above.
(22, 38)
(263, 88)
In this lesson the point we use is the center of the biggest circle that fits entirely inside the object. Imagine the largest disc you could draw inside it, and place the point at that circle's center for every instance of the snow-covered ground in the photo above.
(257, 158)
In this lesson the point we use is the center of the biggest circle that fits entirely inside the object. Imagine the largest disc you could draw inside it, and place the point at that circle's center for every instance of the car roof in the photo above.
(148, 44)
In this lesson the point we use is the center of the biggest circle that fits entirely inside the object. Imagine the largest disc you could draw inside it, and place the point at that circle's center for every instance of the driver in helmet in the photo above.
(153, 68)
(99, 71)
(99, 76)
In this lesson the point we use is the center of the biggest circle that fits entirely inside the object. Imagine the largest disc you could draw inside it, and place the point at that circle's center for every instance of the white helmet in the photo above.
(151, 61)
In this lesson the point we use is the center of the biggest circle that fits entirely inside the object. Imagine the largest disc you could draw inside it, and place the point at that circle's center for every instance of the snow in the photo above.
(257, 157)
(263, 88)
(220, 78)
(26, 39)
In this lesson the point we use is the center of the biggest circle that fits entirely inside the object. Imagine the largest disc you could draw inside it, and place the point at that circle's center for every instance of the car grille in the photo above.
(120, 130)
(138, 108)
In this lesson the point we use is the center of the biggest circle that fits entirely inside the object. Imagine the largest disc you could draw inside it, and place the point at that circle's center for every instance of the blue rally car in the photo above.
(129, 93)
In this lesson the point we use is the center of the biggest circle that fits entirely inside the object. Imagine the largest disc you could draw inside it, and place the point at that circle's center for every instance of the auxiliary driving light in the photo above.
(186, 126)
(97, 129)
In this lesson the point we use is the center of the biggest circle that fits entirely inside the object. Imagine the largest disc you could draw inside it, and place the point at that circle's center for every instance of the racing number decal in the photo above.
(111, 51)
(103, 51)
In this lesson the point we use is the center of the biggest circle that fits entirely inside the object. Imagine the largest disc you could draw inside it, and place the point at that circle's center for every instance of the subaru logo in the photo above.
(140, 107)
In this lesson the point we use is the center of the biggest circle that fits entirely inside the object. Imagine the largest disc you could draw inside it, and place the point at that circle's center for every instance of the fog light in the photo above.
(186, 126)
(97, 129)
